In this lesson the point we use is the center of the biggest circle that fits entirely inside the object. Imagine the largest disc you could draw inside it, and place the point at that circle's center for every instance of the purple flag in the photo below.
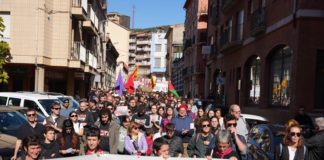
(119, 88)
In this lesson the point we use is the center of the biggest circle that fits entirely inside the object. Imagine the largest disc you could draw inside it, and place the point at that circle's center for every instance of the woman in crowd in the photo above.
(50, 147)
(69, 140)
(155, 118)
(292, 147)
(167, 118)
(135, 142)
(125, 121)
(78, 128)
(161, 111)
(214, 125)
(200, 115)
(218, 113)
(222, 147)
(190, 113)
(32, 148)
(210, 113)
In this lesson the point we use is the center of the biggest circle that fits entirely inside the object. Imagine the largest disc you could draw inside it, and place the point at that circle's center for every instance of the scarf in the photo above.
(223, 154)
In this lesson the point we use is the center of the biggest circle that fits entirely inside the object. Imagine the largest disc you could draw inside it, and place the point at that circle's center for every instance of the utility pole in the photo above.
(133, 17)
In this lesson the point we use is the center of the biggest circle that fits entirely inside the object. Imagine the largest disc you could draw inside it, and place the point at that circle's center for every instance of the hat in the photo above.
(66, 101)
(183, 106)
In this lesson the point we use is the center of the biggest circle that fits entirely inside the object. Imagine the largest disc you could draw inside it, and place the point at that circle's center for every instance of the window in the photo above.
(254, 80)
(240, 20)
(157, 62)
(3, 100)
(14, 101)
(31, 104)
(158, 48)
(280, 76)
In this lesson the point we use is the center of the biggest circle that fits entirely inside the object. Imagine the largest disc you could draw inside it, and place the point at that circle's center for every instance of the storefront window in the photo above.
(280, 77)
(254, 77)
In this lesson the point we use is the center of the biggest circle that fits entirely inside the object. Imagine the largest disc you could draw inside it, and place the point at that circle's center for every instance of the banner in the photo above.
(126, 157)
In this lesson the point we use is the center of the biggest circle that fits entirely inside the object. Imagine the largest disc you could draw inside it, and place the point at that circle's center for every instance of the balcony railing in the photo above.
(80, 3)
(132, 47)
(258, 22)
(78, 52)
(93, 17)
(91, 60)
(230, 41)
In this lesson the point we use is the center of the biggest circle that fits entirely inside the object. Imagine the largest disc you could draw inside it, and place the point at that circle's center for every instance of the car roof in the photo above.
(29, 95)
(255, 117)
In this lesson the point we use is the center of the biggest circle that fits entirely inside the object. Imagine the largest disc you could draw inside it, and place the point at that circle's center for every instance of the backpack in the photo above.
(257, 153)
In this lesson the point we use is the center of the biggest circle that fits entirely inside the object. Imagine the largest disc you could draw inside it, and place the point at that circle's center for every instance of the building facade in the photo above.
(158, 55)
(267, 56)
(174, 57)
(143, 54)
(56, 45)
(119, 36)
(194, 38)
(120, 19)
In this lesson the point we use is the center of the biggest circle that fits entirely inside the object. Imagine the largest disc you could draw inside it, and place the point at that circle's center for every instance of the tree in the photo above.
(4, 55)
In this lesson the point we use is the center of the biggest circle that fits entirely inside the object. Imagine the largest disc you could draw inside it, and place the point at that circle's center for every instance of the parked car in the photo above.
(7, 146)
(253, 120)
(266, 137)
(41, 103)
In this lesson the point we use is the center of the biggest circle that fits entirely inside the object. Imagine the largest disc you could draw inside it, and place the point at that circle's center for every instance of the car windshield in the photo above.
(10, 122)
(46, 103)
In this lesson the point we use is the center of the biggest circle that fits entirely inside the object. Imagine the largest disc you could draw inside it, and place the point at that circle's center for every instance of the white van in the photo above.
(41, 103)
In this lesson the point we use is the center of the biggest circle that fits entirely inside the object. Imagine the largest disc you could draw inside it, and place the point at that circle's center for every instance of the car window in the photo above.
(32, 104)
(14, 101)
(10, 122)
(3, 100)
(46, 104)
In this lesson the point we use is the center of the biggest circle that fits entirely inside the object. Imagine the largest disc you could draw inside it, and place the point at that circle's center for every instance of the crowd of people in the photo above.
(156, 124)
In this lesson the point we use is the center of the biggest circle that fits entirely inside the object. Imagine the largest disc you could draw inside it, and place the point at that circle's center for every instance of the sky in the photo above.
(150, 13)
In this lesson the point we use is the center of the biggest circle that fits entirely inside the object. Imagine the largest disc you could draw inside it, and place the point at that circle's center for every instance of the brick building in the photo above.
(267, 55)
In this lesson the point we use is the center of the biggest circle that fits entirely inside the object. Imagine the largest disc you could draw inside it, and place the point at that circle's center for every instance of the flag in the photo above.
(119, 88)
(172, 90)
(152, 82)
(130, 82)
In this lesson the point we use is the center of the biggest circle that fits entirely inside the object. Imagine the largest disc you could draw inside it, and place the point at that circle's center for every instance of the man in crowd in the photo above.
(161, 148)
(109, 131)
(142, 118)
(55, 120)
(93, 109)
(31, 128)
(242, 126)
(66, 109)
(84, 115)
(184, 127)
(315, 144)
(175, 142)
(132, 105)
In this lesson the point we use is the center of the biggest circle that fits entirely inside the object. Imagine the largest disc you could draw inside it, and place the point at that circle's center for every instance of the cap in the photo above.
(183, 106)
(66, 101)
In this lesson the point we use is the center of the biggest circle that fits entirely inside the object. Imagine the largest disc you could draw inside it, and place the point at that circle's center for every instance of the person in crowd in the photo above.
(114, 117)
(149, 133)
(108, 131)
(132, 105)
(292, 146)
(242, 126)
(222, 147)
(78, 128)
(167, 118)
(84, 115)
(215, 127)
(176, 147)
(199, 143)
(31, 128)
(93, 141)
(100, 106)
(32, 148)
(125, 121)
(161, 111)
(50, 147)
(190, 113)
(93, 109)
(102, 98)
(315, 144)
(155, 119)
(184, 127)
(210, 113)
(135, 142)
(67, 108)
(200, 115)
(303, 119)
(161, 148)
(141, 118)
(69, 140)
(238, 143)
(218, 113)
(55, 120)
(194, 107)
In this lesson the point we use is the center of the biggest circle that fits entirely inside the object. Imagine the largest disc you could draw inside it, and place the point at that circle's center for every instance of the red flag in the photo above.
(130, 84)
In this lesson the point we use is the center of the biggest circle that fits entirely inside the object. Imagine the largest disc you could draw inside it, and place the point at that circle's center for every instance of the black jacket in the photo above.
(50, 151)
(282, 153)
(315, 146)
(175, 144)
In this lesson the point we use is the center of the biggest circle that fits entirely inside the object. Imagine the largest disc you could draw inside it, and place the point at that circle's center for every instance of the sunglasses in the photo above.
(56, 108)
(74, 115)
(31, 115)
(136, 128)
(232, 124)
(295, 134)
(206, 125)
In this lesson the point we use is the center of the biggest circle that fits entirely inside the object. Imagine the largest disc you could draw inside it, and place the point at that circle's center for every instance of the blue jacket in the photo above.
(183, 123)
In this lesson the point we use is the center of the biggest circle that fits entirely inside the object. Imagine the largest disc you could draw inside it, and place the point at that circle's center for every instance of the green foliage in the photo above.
(4, 55)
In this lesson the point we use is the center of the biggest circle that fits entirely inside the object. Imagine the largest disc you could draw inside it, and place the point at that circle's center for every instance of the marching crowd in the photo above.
(156, 124)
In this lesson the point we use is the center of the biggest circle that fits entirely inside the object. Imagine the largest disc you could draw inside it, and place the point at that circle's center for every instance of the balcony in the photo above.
(78, 52)
(132, 40)
(92, 23)
(228, 42)
(227, 5)
(132, 47)
(142, 42)
(79, 9)
(258, 22)
(91, 60)
(132, 55)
